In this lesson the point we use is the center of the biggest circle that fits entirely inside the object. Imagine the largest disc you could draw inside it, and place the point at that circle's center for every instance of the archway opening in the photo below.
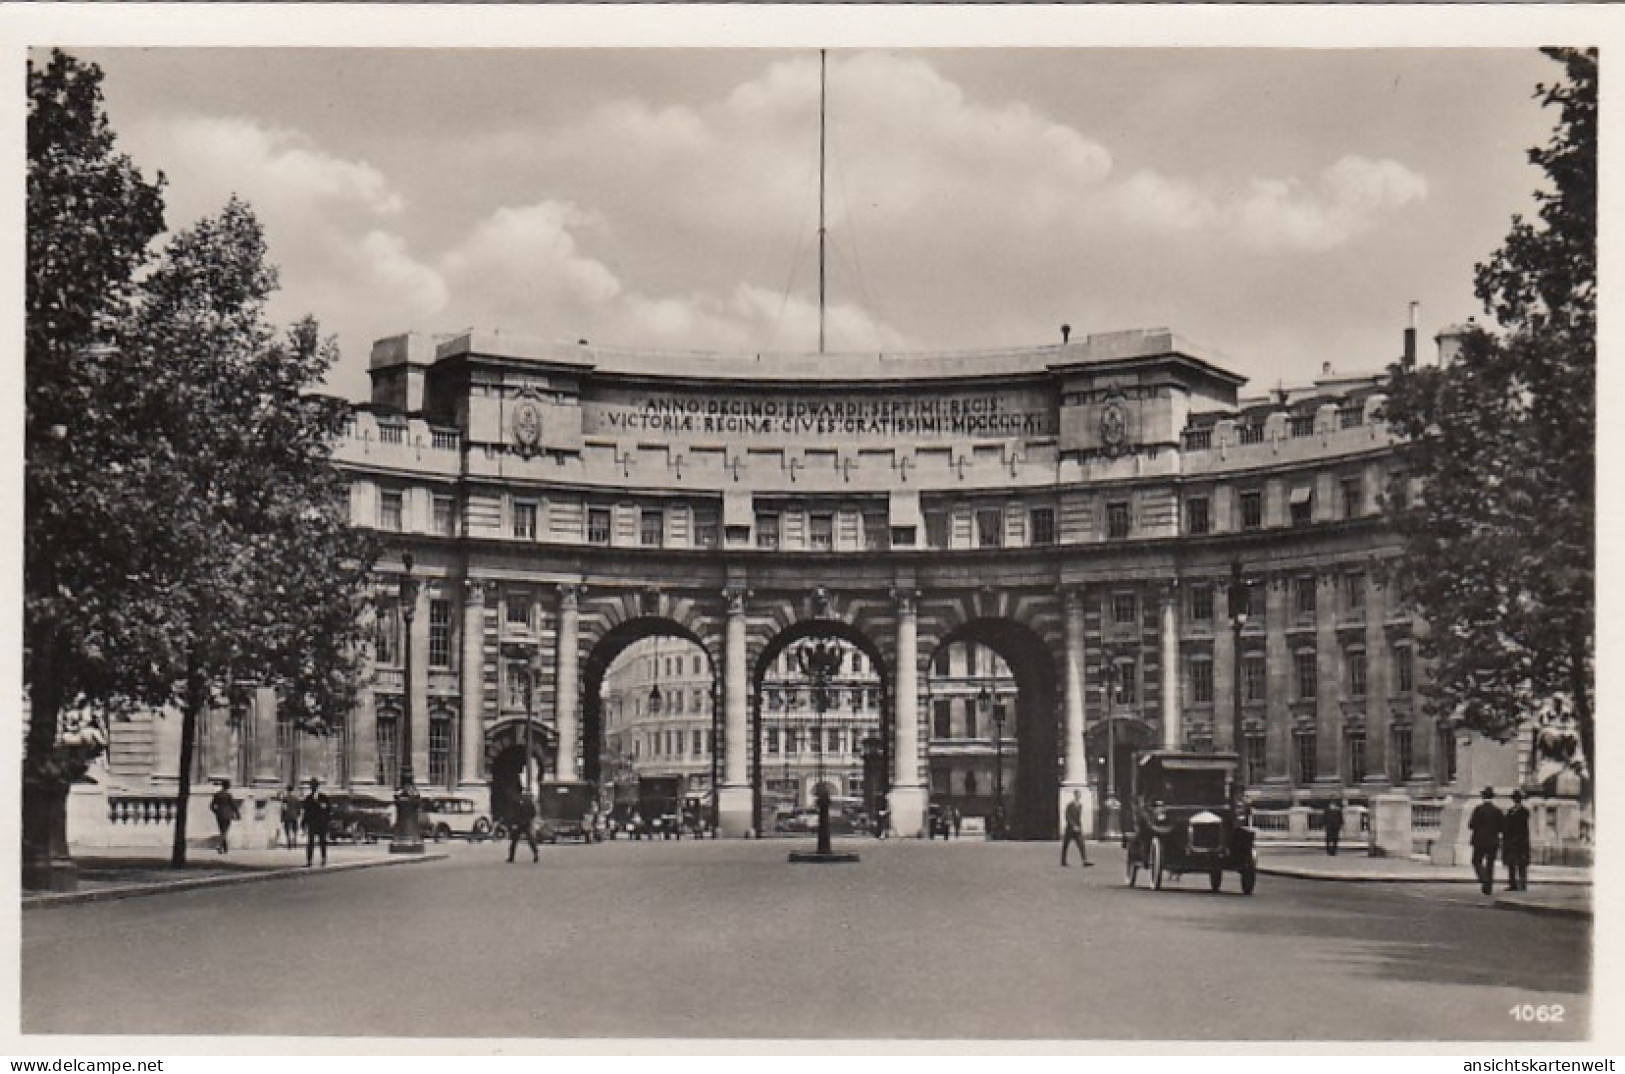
(990, 700)
(651, 725)
(506, 751)
(794, 746)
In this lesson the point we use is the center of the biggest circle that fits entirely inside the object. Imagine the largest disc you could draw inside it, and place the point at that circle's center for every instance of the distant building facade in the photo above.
(1026, 557)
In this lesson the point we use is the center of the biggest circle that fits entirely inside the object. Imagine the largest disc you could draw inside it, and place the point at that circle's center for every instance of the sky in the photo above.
(1280, 207)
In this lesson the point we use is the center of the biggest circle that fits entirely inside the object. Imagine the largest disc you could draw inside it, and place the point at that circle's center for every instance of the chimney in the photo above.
(1409, 361)
(1066, 332)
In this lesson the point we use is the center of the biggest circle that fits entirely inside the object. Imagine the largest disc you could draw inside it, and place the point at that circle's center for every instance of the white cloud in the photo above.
(522, 266)
(1349, 199)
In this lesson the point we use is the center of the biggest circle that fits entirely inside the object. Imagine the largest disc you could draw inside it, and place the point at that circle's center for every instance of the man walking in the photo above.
(1334, 825)
(224, 808)
(289, 801)
(315, 813)
(1485, 825)
(522, 826)
(1074, 830)
(1515, 844)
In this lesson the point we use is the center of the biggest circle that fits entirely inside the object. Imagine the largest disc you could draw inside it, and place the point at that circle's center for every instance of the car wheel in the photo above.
(1215, 879)
(1156, 863)
(442, 833)
(482, 830)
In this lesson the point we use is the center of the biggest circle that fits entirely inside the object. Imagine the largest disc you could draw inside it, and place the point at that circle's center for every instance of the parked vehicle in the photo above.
(660, 801)
(564, 809)
(454, 818)
(1187, 816)
(360, 818)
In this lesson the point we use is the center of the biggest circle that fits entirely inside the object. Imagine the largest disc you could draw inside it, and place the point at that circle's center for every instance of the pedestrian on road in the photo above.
(882, 822)
(957, 819)
(1074, 830)
(225, 810)
(637, 825)
(1515, 844)
(522, 825)
(1485, 824)
(290, 817)
(1334, 825)
(315, 814)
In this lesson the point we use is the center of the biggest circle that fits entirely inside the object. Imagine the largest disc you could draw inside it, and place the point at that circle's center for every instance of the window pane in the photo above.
(1252, 510)
(598, 525)
(1117, 520)
(652, 528)
(524, 521)
(439, 633)
(821, 532)
(1196, 516)
(1202, 604)
(1043, 526)
(389, 511)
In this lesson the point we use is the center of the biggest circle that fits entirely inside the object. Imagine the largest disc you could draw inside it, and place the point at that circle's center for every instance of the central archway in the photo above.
(872, 753)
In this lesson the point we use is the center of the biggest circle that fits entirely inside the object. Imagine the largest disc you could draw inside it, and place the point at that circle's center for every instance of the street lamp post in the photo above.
(533, 683)
(1238, 620)
(820, 663)
(408, 837)
(984, 701)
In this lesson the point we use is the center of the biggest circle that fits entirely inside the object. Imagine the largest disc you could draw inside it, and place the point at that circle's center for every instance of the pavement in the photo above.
(115, 874)
(1553, 889)
(130, 872)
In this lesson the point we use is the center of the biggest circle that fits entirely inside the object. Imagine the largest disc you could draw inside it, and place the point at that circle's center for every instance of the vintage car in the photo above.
(453, 818)
(360, 818)
(1187, 816)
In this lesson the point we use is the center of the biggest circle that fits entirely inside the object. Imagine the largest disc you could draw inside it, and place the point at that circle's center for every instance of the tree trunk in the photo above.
(196, 698)
(1580, 683)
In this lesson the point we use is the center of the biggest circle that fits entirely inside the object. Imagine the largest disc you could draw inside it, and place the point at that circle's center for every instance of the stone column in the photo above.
(1173, 734)
(364, 718)
(566, 696)
(908, 797)
(1075, 775)
(734, 796)
(418, 688)
(266, 770)
(471, 730)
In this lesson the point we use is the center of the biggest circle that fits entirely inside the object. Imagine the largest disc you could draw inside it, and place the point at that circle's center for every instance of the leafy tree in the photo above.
(261, 578)
(1502, 442)
(90, 219)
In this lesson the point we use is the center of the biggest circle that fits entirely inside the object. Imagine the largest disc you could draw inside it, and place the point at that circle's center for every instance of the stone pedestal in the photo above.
(733, 812)
(1297, 822)
(1390, 826)
(908, 807)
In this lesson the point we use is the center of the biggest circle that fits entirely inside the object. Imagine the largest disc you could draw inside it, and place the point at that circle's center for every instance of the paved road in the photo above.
(724, 939)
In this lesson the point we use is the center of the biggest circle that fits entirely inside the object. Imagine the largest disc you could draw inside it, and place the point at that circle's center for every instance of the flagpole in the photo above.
(822, 90)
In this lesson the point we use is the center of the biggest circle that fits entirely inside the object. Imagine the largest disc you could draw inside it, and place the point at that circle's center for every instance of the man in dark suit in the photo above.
(522, 825)
(1515, 844)
(1334, 825)
(1074, 830)
(315, 814)
(225, 810)
(1485, 825)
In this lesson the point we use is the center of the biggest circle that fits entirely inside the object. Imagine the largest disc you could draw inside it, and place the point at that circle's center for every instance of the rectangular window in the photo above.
(1257, 746)
(440, 633)
(821, 532)
(901, 537)
(834, 740)
(1252, 677)
(518, 609)
(773, 740)
(445, 517)
(1356, 751)
(1202, 682)
(1117, 520)
(388, 635)
(1196, 516)
(1304, 587)
(652, 527)
(389, 511)
(1125, 608)
(677, 702)
(767, 530)
(1447, 755)
(989, 528)
(705, 535)
(1252, 509)
(940, 660)
(696, 744)
(1353, 497)
(518, 677)
(439, 751)
(1124, 682)
(1202, 604)
(1043, 526)
(1401, 769)
(598, 525)
(941, 718)
(389, 762)
(1354, 592)
(1308, 761)
(524, 520)
(791, 743)
(1304, 664)
(1356, 666)
(1302, 506)
(1404, 669)
(697, 702)
(936, 529)
(971, 730)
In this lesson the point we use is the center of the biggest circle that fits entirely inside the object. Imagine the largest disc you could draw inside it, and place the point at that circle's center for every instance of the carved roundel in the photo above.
(527, 423)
